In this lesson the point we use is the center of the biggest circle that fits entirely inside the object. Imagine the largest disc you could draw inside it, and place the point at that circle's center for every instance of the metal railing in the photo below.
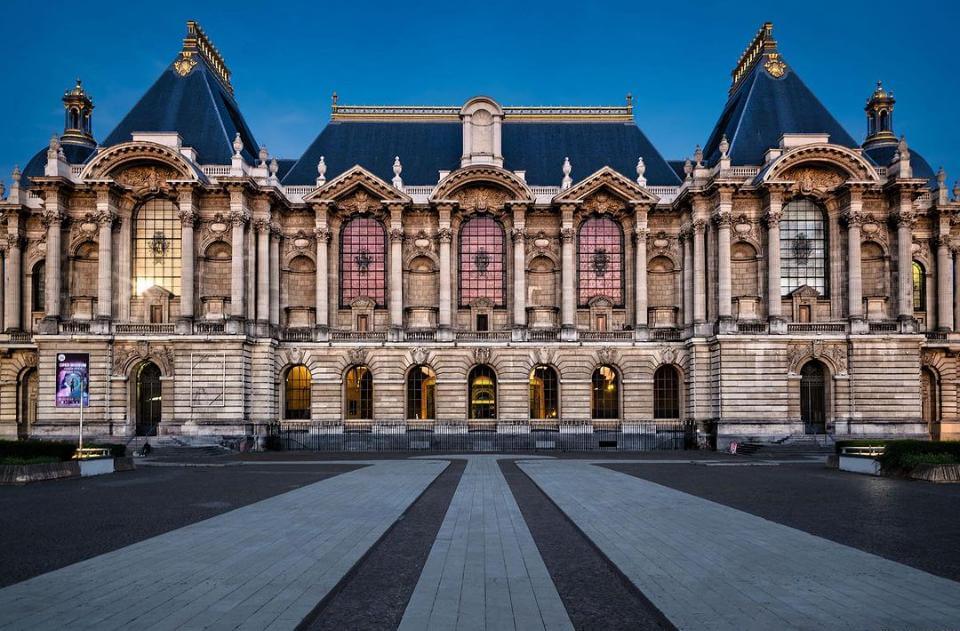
(606, 336)
(74, 327)
(484, 336)
(462, 436)
(883, 327)
(143, 328)
(209, 328)
(816, 327)
(297, 334)
(665, 335)
(751, 327)
(420, 335)
(341, 335)
(543, 335)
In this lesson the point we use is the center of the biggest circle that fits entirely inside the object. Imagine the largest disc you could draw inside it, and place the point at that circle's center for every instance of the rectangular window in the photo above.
(483, 323)
(601, 323)
(362, 323)
(156, 247)
(156, 314)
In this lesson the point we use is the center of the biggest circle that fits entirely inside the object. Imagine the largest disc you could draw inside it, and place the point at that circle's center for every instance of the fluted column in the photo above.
(722, 217)
(105, 266)
(187, 213)
(944, 285)
(11, 306)
(640, 269)
(699, 272)
(686, 238)
(274, 275)
(519, 267)
(262, 227)
(905, 221)
(444, 237)
(238, 280)
(568, 271)
(396, 268)
(854, 268)
(52, 217)
(322, 234)
(774, 296)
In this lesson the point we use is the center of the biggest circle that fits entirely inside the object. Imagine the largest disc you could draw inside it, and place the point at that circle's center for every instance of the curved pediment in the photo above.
(821, 166)
(141, 164)
(502, 184)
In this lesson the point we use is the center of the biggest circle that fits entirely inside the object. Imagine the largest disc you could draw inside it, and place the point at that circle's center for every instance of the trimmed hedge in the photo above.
(61, 450)
(906, 454)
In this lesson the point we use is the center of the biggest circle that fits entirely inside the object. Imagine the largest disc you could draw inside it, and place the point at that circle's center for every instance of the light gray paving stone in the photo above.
(484, 570)
(267, 564)
(708, 566)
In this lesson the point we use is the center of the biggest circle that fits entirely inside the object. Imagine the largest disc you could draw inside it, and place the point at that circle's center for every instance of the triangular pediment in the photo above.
(805, 291)
(354, 180)
(608, 182)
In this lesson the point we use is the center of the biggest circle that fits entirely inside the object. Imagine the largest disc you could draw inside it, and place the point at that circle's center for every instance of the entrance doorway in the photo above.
(813, 397)
(27, 395)
(148, 399)
(930, 402)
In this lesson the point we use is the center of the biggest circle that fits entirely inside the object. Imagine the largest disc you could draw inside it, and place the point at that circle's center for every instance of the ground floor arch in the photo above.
(930, 401)
(148, 399)
(28, 389)
(813, 397)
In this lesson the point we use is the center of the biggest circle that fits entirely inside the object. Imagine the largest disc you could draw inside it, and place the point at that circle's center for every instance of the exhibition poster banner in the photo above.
(73, 379)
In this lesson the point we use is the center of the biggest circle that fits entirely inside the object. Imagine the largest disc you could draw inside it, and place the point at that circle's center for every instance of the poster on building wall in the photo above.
(73, 380)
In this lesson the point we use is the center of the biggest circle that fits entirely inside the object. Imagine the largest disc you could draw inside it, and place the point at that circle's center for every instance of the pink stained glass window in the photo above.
(481, 261)
(362, 261)
(600, 260)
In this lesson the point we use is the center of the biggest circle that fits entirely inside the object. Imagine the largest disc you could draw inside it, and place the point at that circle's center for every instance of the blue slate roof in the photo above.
(426, 148)
(762, 109)
(198, 107)
(76, 153)
(883, 154)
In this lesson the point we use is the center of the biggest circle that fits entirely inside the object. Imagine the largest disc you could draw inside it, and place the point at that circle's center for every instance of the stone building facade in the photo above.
(488, 267)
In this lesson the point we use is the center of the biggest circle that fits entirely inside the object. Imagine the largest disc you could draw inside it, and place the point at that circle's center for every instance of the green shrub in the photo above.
(910, 461)
(58, 450)
(906, 454)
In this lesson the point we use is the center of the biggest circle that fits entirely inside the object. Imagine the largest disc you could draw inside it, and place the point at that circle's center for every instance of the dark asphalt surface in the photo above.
(914, 523)
(49, 525)
(594, 592)
(375, 593)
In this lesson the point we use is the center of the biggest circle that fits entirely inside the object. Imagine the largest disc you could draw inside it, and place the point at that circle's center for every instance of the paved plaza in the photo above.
(485, 542)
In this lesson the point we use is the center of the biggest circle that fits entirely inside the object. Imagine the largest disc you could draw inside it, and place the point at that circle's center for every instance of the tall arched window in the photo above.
(600, 260)
(421, 393)
(803, 247)
(296, 402)
(38, 286)
(358, 394)
(363, 243)
(156, 247)
(605, 396)
(483, 392)
(666, 392)
(482, 269)
(919, 287)
(544, 393)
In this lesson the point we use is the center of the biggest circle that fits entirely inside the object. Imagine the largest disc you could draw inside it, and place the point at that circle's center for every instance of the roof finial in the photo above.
(274, 167)
(688, 168)
(941, 178)
(321, 172)
(956, 191)
(698, 156)
(724, 147)
(333, 99)
(15, 176)
(641, 170)
(237, 145)
(629, 99)
(397, 170)
(264, 154)
(567, 181)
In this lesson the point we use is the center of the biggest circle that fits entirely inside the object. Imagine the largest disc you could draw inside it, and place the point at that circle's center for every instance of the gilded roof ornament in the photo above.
(763, 48)
(184, 63)
(775, 65)
(196, 43)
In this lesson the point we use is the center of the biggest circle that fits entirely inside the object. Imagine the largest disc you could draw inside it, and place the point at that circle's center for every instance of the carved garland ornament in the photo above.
(799, 353)
(482, 355)
(607, 355)
(125, 356)
(480, 199)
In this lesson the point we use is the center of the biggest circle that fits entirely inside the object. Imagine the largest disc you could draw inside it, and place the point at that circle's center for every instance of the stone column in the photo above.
(519, 238)
(274, 275)
(854, 268)
(905, 221)
(52, 217)
(774, 297)
(105, 265)
(568, 274)
(686, 237)
(322, 234)
(723, 218)
(396, 270)
(11, 306)
(956, 292)
(699, 273)
(944, 284)
(444, 237)
(262, 227)
(188, 218)
(640, 272)
(238, 282)
(124, 266)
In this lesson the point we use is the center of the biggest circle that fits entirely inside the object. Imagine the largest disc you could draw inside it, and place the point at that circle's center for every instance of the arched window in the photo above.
(156, 247)
(600, 260)
(544, 393)
(483, 393)
(803, 246)
(666, 392)
(813, 397)
(482, 269)
(919, 287)
(605, 399)
(358, 394)
(296, 402)
(363, 243)
(38, 286)
(421, 391)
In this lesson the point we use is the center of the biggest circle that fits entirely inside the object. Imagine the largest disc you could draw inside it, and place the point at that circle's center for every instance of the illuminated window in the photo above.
(421, 390)
(666, 392)
(919, 288)
(362, 261)
(156, 247)
(605, 397)
(600, 264)
(297, 394)
(481, 261)
(544, 393)
(483, 393)
(803, 247)
(358, 393)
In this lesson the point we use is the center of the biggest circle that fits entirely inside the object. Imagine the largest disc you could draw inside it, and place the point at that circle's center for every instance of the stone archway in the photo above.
(930, 401)
(27, 396)
(813, 397)
(147, 399)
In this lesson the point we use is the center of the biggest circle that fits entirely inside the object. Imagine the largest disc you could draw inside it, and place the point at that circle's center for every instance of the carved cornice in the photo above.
(483, 176)
(112, 159)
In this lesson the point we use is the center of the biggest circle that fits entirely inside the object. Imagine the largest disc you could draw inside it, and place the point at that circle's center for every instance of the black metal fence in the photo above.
(463, 438)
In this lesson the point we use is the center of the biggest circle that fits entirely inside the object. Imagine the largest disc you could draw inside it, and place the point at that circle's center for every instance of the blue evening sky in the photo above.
(675, 57)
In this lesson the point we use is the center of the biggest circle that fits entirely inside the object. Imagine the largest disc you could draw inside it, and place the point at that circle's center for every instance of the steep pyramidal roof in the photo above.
(429, 140)
(768, 99)
(194, 98)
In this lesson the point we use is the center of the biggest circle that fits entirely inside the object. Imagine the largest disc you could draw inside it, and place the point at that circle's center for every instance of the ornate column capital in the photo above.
(188, 218)
(105, 217)
(239, 218)
(567, 235)
(519, 235)
(262, 226)
(396, 235)
(722, 218)
(855, 219)
(772, 218)
(444, 235)
(698, 226)
(322, 235)
(903, 218)
(12, 241)
(641, 234)
(52, 216)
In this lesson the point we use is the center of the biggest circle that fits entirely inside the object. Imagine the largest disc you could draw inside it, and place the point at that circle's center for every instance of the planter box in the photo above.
(860, 464)
(96, 466)
(937, 472)
(23, 474)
